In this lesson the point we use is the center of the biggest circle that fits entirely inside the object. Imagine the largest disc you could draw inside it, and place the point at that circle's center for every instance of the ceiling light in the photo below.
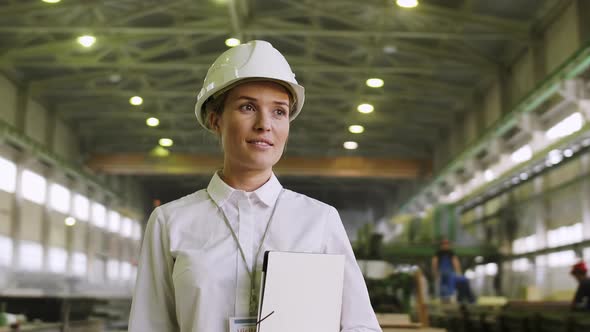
(568, 153)
(350, 145)
(51, 1)
(70, 221)
(159, 151)
(555, 157)
(407, 3)
(86, 40)
(166, 142)
(152, 122)
(524, 176)
(356, 129)
(566, 127)
(232, 42)
(522, 154)
(136, 100)
(115, 78)
(375, 82)
(365, 108)
(489, 175)
(389, 49)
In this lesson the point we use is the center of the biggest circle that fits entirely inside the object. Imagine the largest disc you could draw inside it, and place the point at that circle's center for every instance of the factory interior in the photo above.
(452, 137)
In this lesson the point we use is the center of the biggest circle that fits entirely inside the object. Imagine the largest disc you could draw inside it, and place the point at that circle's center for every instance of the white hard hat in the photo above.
(255, 59)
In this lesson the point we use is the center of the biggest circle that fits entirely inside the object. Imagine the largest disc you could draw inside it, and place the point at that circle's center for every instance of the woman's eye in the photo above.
(281, 112)
(247, 107)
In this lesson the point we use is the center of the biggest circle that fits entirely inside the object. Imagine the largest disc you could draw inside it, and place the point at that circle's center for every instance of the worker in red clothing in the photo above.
(582, 298)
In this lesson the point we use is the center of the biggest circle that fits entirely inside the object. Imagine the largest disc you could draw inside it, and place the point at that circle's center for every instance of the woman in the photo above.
(201, 254)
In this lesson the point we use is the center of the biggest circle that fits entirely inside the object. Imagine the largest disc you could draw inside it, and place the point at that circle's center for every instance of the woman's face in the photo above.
(254, 125)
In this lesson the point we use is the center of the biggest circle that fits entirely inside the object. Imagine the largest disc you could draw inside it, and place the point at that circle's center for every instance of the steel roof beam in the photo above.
(263, 31)
(183, 164)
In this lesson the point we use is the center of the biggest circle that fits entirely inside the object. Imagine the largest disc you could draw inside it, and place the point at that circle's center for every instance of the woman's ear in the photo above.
(213, 120)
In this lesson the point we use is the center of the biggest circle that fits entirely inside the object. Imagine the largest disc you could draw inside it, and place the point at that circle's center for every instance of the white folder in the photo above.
(300, 292)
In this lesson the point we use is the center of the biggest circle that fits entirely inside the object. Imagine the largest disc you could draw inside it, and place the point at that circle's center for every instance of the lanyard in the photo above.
(251, 273)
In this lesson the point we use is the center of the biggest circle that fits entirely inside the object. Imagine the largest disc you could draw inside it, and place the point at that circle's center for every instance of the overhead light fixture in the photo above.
(555, 157)
(407, 3)
(166, 142)
(365, 108)
(375, 82)
(86, 40)
(389, 49)
(152, 122)
(136, 100)
(568, 153)
(566, 127)
(160, 151)
(351, 145)
(69, 221)
(356, 129)
(489, 175)
(232, 42)
(522, 154)
(51, 1)
(524, 176)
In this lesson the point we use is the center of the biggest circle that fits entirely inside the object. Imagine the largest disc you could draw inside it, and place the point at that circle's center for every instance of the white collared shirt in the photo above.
(191, 276)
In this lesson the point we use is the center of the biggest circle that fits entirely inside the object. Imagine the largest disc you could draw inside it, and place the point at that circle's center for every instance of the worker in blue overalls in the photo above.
(445, 268)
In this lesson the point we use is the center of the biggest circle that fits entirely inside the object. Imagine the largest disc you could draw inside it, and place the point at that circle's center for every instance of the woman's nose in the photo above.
(263, 121)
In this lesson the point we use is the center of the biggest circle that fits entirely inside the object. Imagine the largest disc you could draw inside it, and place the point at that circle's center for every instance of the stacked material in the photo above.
(402, 323)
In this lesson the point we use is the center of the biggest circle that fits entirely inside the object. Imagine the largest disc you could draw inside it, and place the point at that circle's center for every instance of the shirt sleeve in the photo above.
(153, 306)
(357, 313)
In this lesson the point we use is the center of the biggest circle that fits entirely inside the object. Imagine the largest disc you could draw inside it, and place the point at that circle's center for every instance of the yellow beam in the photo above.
(188, 164)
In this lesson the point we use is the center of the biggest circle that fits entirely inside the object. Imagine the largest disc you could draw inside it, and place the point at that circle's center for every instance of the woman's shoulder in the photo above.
(186, 203)
(299, 200)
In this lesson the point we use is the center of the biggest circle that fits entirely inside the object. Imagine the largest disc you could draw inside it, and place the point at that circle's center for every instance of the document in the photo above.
(300, 292)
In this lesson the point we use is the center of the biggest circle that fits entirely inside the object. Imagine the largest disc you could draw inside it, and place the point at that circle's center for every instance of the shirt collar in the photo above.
(268, 193)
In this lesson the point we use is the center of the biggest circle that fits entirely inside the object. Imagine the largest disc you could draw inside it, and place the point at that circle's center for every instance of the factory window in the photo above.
(5, 251)
(113, 269)
(79, 264)
(81, 207)
(524, 244)
(565, 235)
(136, 231)
(133, 273)
(126, 227)
(520, 265)
(8, 178)
(60, 198)
(125, 271)
(114, 221)
(480, 271)
(58, 258)
(33, 186)
(491, 269)
(561, 258)
(98, 269)
(541, 261)
(98, 215)
(31, 256)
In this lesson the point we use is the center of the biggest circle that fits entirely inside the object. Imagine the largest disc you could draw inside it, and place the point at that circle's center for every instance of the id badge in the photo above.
(242, 324)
